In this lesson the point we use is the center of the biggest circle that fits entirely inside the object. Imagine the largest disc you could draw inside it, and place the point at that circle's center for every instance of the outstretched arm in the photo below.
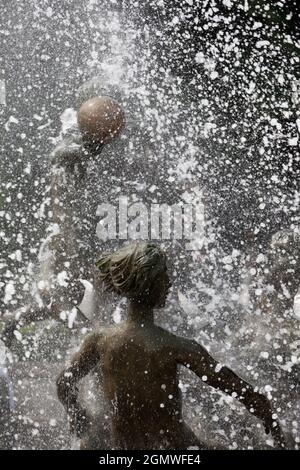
(196, 357)
(67, 390)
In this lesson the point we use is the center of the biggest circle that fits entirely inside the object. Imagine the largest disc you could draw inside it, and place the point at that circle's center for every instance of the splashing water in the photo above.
(211, 99)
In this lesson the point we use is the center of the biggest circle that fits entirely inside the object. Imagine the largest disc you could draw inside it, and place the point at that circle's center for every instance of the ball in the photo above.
(101, 119)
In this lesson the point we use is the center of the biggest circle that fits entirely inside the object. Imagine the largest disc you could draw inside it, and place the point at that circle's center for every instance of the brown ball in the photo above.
(101, 119)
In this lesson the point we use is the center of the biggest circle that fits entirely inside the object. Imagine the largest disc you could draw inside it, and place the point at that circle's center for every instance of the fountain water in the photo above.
(208, 119)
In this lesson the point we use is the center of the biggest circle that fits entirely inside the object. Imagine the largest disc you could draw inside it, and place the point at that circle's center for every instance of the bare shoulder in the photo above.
(107, 334)
(180, 344)
(170, 339)
(94, 339)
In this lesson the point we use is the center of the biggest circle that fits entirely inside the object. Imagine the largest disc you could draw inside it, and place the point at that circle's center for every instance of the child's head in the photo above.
(137, 271)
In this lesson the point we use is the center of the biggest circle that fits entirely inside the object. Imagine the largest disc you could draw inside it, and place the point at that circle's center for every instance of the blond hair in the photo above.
(132, 270)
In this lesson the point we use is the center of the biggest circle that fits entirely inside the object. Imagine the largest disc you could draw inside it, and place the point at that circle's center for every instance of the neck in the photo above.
(140, 313)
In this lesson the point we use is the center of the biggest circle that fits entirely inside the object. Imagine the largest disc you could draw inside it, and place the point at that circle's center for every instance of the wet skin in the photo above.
(138, 363)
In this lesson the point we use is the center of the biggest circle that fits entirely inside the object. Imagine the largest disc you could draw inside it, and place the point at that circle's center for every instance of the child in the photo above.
(139, 364)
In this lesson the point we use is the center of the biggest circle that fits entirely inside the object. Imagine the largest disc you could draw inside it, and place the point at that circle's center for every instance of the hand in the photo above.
(79, 421)
(277, 435)
(262, 409)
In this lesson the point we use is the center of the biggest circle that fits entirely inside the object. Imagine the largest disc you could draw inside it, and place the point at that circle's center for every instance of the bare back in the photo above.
(138, 364)
(140, 381)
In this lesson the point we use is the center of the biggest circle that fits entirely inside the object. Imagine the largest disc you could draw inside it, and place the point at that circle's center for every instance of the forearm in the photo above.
(213, 373)
(197, 358)
(254, 401)
(218, 376)
(67, 389)
(230, 383)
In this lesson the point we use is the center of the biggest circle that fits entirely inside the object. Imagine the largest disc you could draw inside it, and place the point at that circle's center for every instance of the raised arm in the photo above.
(195, 357)
(67, 390)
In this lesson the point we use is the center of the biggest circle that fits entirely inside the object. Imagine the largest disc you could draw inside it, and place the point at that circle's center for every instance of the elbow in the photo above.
(61, 386)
